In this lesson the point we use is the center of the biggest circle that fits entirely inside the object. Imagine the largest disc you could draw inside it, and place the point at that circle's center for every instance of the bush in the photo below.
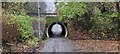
(18, 28)
(25, 25)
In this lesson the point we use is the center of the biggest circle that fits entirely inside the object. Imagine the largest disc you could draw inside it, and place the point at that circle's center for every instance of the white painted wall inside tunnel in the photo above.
(66, 31)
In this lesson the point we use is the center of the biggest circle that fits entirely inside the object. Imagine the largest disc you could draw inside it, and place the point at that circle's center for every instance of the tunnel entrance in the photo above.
(64, 32)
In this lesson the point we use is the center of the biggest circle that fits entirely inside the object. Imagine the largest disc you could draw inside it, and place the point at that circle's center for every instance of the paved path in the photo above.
(67, 45)
(58, 45)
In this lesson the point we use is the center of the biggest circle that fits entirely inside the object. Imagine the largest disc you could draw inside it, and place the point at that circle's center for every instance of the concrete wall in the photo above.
(35, 25)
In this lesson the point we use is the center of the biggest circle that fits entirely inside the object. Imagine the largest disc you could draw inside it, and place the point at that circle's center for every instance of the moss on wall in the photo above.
(50, 20)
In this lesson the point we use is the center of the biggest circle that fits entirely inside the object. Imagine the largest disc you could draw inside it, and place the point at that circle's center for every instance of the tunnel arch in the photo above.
(64, 28)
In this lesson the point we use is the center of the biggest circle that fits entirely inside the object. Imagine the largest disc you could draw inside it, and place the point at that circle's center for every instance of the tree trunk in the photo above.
(118, 10)
(0, 27)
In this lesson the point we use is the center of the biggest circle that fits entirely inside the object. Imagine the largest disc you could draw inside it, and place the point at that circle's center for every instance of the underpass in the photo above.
(58, 42)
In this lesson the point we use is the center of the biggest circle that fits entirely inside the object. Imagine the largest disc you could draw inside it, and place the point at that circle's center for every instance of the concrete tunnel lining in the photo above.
(64, 28)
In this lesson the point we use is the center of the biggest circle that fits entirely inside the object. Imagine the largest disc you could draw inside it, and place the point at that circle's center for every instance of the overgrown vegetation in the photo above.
(17, 26)
(98, 19)
(50, 20)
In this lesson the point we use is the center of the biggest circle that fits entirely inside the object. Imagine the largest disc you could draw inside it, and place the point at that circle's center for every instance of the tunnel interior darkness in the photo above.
(63, 30)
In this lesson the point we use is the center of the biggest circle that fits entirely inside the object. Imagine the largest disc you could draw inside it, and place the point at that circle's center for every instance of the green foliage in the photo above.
(13, 7)
(71, 8)
(50, 20)
(103, 23)
(8, 18)
(25, 25)
(20, 24)
(105, 20)
(100, 18)
(32, 41)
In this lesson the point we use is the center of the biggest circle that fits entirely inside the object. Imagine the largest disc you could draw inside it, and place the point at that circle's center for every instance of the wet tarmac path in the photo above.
(58, 45)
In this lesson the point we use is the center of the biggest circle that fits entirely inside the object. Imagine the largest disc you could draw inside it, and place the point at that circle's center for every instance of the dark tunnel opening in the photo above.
(63, 33)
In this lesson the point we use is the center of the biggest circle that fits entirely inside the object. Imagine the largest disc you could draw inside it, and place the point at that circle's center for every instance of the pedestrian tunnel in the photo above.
(60, 31)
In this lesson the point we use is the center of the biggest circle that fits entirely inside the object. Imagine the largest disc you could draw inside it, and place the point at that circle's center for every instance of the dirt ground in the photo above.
(67, 45)
(97, 45)
(61, 44)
